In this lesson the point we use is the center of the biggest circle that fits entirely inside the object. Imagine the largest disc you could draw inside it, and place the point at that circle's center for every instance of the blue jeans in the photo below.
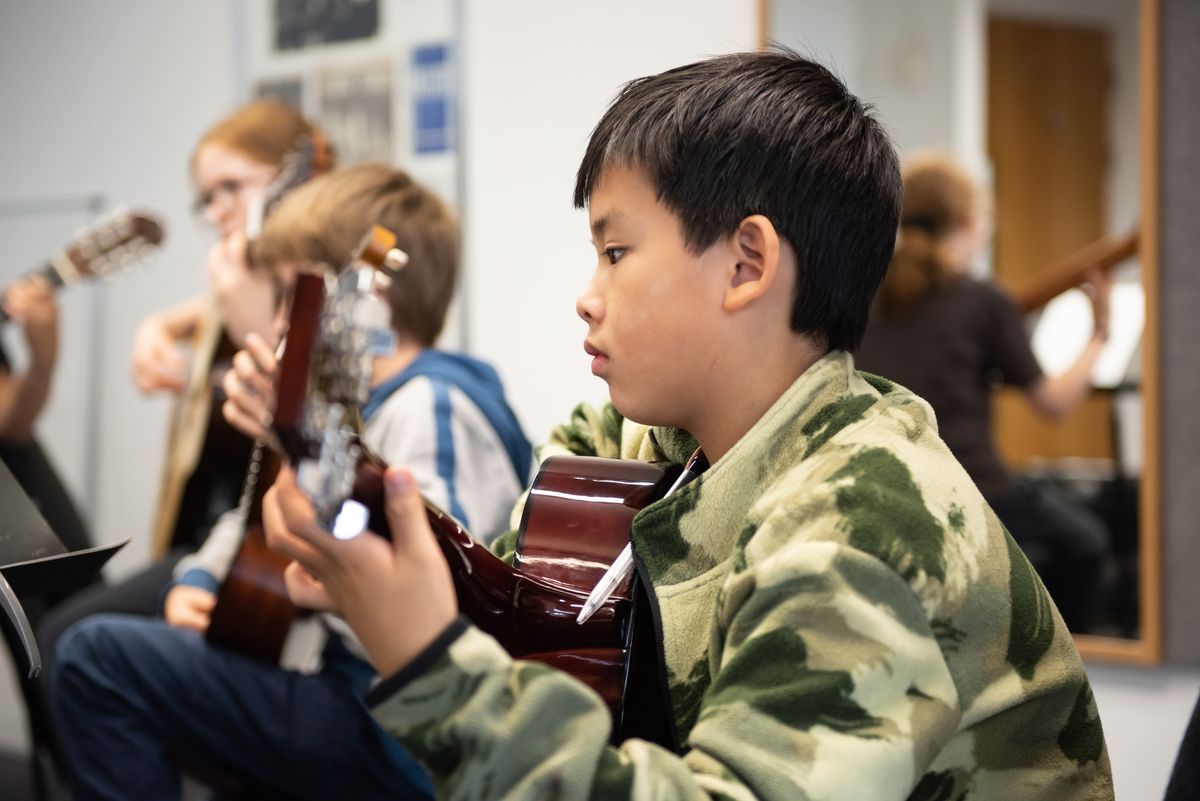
(135, 698)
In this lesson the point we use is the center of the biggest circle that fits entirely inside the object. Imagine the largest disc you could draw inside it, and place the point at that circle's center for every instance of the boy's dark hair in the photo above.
(323, 221)
(774, 134)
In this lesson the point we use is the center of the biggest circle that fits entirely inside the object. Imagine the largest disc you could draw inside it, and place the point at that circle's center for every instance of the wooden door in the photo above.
(1048, 93)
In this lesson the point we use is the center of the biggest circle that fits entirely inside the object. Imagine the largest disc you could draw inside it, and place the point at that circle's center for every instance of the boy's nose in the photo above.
(588, 305)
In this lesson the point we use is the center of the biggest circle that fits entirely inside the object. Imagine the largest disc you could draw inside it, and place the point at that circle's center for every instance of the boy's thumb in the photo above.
(403, 502)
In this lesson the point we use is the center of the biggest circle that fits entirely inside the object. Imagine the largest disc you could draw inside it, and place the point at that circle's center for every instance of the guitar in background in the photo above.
(1103, 254)
(197, 484)
(111, 244)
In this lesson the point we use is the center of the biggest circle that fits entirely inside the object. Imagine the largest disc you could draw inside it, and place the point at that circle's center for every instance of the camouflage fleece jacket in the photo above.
(842, 617)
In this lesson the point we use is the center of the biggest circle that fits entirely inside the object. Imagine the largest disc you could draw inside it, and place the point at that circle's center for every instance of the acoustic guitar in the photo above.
(1104, 254)
(109, 245)
(576, 520)
(338, 323)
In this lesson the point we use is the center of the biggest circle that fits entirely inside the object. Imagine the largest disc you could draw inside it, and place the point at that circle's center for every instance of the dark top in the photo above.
(215, 484)
(39, 479)
(952, 349)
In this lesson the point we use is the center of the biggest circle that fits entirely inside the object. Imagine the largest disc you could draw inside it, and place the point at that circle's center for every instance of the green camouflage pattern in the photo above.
(843, 617)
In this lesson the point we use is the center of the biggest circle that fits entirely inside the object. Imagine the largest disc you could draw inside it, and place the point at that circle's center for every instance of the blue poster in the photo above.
(433, 118)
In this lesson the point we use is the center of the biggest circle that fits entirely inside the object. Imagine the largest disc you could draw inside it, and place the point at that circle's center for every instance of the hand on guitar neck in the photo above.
(1054, 396)
(367, 579)
(1098, 285)
(250, 389)
(30, 302)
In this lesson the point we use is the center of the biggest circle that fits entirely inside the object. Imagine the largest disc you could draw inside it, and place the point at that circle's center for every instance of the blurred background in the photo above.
(1071, 113)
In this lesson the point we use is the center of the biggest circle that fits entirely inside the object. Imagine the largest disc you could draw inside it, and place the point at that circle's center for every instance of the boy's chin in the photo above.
(641, 413)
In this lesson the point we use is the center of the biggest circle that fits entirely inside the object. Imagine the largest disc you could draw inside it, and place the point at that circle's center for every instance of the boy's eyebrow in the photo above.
(601, 223)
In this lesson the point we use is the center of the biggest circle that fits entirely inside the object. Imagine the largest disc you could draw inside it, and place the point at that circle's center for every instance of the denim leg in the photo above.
(136, 695)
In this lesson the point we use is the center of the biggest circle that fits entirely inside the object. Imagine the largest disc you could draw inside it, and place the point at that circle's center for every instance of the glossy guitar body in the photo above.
(576, 520)
(254, 614)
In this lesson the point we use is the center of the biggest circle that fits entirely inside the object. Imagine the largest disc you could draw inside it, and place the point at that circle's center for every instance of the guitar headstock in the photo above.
(313, 155)
(337, 326)
(108, 245)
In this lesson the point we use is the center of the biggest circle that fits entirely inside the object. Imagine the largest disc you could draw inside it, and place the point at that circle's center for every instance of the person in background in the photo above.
(951, 338)
(135, 694)
(30, 304)
(185, 350)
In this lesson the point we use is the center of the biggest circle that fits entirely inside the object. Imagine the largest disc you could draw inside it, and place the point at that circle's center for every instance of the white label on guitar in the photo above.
(351, 520)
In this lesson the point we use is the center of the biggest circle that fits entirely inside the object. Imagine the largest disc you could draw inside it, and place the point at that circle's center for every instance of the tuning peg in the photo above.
(395, 260)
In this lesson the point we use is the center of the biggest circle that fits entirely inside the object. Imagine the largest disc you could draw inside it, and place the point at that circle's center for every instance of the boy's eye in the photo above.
(614, 255)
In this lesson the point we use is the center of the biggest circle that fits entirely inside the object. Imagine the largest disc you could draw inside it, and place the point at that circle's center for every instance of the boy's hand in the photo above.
(189, 607)
(250, 387)
(305, 591)
(397, 596)
(157, 363)
(31, 302)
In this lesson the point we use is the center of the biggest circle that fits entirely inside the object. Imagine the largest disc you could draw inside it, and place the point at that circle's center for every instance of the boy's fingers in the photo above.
(404, 506)
(246, 369)
(241, 421)
(192, 619)
(263, 353)
(162, 377)
(305, 590)
(290, 523)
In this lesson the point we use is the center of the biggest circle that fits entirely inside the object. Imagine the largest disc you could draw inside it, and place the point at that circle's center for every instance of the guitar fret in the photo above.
(66, 269)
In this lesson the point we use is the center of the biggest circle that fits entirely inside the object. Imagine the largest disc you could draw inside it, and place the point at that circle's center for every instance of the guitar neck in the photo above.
(261, 471)
(1104, 254)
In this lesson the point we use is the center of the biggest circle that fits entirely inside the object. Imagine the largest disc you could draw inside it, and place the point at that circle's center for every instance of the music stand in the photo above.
(33, 561)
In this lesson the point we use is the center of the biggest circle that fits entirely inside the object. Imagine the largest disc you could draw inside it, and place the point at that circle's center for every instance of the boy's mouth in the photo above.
(599, 358)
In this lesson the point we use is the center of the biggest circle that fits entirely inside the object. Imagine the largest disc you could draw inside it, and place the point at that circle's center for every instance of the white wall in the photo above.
(1144, 712)
(536, 76)
(920, 63)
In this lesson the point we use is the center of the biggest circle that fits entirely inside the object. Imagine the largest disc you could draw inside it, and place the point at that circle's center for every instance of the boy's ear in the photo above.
(756, 253)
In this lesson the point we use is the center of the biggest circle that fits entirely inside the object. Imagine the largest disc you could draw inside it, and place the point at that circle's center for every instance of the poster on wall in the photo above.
(304, 23)
(433, 102)
(354, 107)
(289, 91)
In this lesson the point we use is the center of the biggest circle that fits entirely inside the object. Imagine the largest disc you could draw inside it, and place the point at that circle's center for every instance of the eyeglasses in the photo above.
(227, 189)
